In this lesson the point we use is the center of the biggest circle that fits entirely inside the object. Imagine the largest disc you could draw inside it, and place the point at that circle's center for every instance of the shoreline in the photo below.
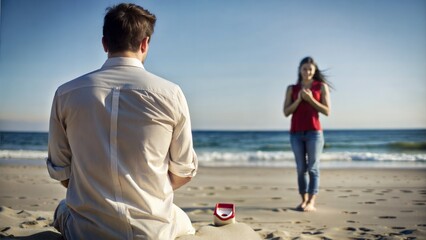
(352, 203)
(325, 164)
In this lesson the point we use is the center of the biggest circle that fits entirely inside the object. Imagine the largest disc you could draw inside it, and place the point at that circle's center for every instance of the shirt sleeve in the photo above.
(59, 152)
(184, 162)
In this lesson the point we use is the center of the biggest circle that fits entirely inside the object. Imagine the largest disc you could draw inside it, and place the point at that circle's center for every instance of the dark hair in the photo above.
(126, 25)
(318, 75)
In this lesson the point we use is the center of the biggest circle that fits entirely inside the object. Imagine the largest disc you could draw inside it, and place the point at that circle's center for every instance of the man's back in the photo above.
(115, 133)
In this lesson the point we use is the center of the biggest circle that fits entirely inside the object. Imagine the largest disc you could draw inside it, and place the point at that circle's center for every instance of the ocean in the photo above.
(343, 148)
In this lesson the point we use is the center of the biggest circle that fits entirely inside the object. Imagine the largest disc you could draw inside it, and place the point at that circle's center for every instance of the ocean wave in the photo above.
(257, 156)
(243, 156)
(372, 156)
(288, 156)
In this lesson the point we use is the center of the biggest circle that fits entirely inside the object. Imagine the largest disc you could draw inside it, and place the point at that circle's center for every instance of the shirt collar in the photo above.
(122, 61)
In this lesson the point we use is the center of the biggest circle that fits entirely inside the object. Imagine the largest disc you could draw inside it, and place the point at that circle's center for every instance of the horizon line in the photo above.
(250, 130)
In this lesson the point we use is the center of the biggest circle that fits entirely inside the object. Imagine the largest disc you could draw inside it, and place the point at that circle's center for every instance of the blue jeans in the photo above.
(307, 147)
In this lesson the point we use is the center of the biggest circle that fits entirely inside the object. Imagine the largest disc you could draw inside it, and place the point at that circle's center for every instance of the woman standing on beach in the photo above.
(304, 101)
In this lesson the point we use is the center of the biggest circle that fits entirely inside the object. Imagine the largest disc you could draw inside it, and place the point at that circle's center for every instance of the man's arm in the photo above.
(183, 162)
(59, 152)
(177, 181)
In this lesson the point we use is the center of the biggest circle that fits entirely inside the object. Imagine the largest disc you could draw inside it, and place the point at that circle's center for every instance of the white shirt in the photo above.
(115, 133)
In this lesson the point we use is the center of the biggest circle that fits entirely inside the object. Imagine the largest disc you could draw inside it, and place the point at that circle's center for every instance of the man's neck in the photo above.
(128, 54)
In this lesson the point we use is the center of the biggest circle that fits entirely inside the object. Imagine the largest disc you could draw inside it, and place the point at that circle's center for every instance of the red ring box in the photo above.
(224, 213)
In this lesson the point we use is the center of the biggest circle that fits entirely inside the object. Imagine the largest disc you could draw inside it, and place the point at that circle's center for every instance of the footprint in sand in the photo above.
(365, 229)
(387, 217)
(370, 202)
(276, 198)
(398, 228)
(407, 211)
(406, 191)
(28, 224)
(279, 210)
(352, 221)
(313, 233)
(342, 196)
(419, 202)
(352, 229)
(276, 235)
(347, 212)
(23, 214)
(381, 200)
(300, 222)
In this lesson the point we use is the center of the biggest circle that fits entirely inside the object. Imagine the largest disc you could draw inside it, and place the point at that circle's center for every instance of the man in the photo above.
(120, 140)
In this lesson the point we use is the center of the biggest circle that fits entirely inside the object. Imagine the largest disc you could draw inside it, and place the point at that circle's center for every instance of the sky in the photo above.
(232, 58)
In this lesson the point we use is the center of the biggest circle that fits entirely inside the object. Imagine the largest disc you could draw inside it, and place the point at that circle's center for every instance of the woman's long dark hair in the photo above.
(318, 75)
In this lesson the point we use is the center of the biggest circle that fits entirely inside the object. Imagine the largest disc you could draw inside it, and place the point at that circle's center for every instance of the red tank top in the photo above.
(306, 117)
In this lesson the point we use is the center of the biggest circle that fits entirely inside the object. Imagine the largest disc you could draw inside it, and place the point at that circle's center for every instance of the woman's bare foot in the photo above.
(302, 206)
(310, 207)
(305, 200)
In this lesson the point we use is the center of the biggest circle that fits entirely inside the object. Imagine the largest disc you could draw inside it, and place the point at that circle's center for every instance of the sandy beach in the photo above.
(352, 204)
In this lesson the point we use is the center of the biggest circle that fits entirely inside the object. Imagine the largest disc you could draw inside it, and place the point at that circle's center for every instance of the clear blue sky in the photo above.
(232, 58)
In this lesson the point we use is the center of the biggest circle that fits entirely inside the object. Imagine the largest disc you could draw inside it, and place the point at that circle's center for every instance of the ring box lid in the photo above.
(224, 211)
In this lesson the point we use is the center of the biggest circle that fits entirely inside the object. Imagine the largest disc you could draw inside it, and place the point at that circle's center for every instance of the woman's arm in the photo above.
(289, 105)
(324, 105)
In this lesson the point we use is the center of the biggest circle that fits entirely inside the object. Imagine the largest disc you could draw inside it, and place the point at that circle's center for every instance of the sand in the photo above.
(352, 204)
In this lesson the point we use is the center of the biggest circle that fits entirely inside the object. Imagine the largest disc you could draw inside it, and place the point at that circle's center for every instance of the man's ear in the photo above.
(145, 45)
(104, 44)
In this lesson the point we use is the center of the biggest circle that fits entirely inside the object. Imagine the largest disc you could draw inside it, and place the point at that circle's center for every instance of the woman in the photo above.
(304, 101)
